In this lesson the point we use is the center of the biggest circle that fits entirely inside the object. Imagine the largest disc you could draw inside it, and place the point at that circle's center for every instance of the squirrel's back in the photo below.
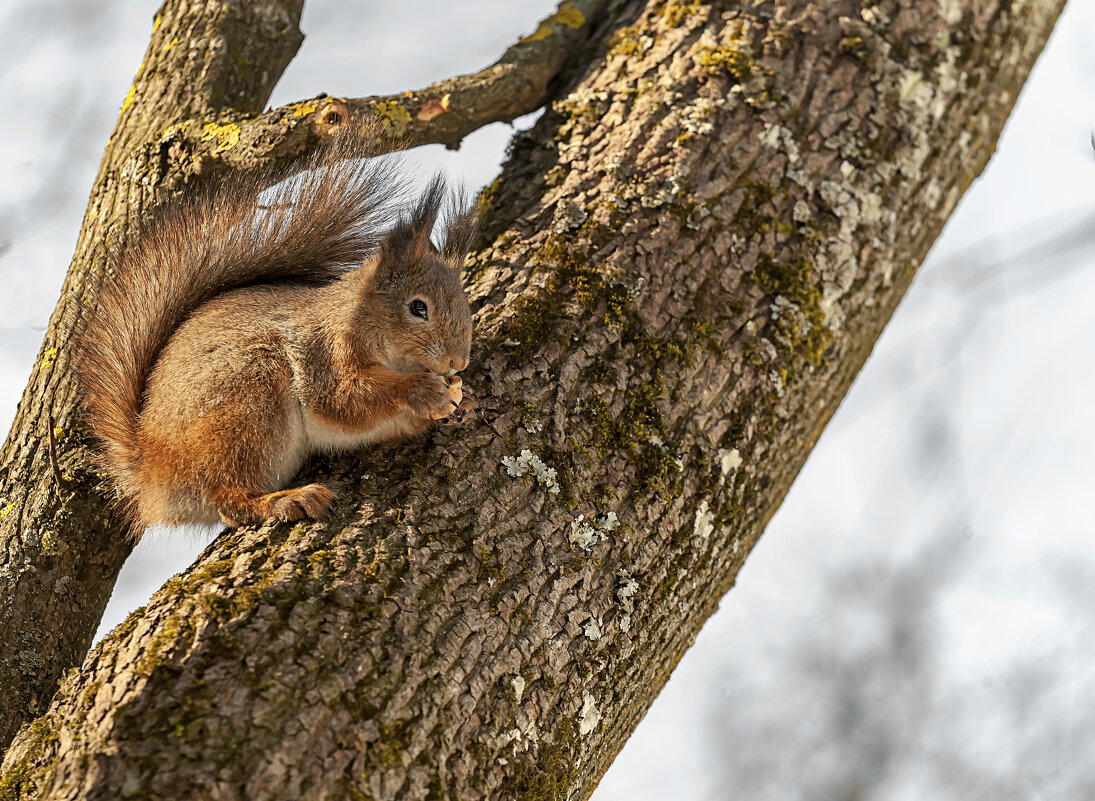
(321, 215)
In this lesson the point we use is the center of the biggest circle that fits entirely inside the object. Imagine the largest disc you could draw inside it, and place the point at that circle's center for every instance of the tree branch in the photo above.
(443, 113)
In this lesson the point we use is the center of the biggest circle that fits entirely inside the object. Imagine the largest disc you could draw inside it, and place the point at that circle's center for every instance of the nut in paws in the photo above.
(434, 396)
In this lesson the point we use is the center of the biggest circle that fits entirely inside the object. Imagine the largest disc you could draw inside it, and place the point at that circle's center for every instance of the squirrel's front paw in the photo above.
(434, 396)
(456, 391)
(466, 405)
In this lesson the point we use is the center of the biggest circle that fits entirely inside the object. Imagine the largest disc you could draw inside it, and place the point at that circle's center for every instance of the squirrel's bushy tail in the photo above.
(303, 224)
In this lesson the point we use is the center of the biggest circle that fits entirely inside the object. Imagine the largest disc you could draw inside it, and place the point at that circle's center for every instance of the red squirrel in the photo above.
(230, 340)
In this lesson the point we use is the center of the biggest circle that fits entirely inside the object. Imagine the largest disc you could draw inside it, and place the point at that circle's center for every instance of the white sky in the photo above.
(968, 435)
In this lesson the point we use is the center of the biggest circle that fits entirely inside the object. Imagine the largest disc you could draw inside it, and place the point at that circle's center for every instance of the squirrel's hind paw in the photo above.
(312, 501)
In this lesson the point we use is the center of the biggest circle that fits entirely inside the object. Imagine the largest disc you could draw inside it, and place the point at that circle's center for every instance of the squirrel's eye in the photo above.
(418, 308)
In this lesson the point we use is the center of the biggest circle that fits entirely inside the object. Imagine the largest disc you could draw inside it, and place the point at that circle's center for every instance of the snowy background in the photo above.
(918, 621)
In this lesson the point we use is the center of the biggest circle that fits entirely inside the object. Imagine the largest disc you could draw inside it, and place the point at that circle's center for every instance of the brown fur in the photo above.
(230, 341)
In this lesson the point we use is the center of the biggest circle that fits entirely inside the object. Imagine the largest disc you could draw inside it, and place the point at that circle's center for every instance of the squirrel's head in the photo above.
(415, 287)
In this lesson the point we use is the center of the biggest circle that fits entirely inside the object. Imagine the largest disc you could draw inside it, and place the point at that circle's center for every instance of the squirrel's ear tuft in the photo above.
(409, 241)
(461, 226)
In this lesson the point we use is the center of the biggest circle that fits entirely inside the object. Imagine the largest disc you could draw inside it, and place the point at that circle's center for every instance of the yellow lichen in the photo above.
(171, 44)
(566, 15)
(626, 42)
(734, 60)
(228, 134)
(52, 545)
(171, 130)
(129, 98)
(48, 359)
(394, 117)
(675, 11)
(304, 108)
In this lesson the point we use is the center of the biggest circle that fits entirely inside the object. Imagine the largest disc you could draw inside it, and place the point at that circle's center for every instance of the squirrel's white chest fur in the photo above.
(307, 434)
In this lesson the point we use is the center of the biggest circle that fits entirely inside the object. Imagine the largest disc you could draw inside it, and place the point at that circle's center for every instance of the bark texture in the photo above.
(194, 109)
(60, 546)
(683, 268)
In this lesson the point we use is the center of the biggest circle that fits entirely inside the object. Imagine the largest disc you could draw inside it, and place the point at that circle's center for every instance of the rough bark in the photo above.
(61, 546)
(194, 110)
(684, 266)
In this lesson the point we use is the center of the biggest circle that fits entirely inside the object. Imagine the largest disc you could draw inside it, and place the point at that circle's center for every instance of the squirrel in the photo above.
(231, 340)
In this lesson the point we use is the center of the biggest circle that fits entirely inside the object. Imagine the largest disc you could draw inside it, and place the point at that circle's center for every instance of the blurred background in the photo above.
(918, 621)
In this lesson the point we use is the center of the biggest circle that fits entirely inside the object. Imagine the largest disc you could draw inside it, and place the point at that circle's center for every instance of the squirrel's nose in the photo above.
(458, 363)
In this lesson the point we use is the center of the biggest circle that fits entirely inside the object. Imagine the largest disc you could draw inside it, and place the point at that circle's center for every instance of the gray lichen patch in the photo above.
(528, 462)
(587, 533)
(589, 717)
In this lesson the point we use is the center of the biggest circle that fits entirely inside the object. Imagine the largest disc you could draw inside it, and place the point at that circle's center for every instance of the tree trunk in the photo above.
(685, 264)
